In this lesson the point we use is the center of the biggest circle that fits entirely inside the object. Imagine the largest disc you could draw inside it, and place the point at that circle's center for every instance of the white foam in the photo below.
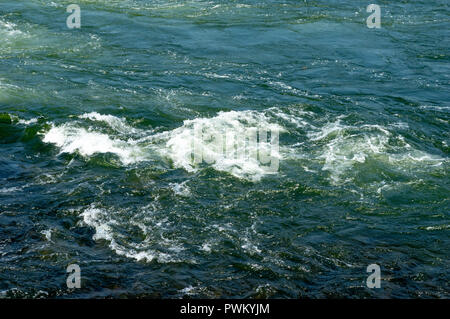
(111, 225)
(15, 118)
(180, 143)
(296, 117)
(435, 107)
(99, 220)
(206, 247)
(439, 227)
(326, 130)
(28, 122)
(48, 234)
(9, 190)
(9, 29)
(118, 124)
(250, 247)
(177, 144)
(187, 291)
(71, 138)
(343, 146)
(181, 189)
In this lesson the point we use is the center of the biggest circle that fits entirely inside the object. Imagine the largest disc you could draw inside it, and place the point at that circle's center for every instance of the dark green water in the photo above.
(95, 168)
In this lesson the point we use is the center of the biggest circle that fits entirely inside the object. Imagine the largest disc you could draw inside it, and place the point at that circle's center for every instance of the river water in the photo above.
(96, 166)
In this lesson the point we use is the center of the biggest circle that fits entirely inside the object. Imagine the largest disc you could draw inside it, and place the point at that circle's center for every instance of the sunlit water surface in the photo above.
(95, 170)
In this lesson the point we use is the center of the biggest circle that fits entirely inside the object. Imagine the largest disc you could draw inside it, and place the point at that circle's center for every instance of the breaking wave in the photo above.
(182, 141)
(343, 147)
(136, 145)
(70, 139)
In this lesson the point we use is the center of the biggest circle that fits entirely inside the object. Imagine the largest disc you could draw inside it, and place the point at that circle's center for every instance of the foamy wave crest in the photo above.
(236, 155)
(344, 146)
(71, 139)
(8, 29)
(227, 129)
(118, 124)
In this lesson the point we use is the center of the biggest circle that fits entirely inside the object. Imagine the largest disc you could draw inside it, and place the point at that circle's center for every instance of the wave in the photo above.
(118, 124)
(176, 145)
(346, 152)
(7, 190)
(337, 147)
(70, 139)
(184, 141)
(342, 147)
(119, 230)
(149, 233)
(9, 29)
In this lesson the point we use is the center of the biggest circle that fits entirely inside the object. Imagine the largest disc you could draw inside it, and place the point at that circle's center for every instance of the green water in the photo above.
(96, 169)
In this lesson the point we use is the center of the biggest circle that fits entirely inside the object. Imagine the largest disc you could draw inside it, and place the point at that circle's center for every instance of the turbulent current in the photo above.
(96, 137)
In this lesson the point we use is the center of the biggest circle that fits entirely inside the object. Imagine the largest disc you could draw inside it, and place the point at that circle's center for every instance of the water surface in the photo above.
(94, 171)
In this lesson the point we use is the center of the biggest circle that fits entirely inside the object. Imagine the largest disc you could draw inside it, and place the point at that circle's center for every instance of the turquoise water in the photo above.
(96, 170)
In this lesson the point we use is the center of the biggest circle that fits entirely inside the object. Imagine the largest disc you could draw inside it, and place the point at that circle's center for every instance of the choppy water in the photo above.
(95, 169)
